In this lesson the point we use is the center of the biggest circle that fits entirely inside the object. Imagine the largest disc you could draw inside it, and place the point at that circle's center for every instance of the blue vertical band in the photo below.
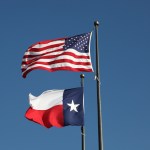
(72, 117)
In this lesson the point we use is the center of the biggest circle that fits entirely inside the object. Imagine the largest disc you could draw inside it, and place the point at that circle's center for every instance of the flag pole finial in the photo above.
(96, 23)
(82, 76)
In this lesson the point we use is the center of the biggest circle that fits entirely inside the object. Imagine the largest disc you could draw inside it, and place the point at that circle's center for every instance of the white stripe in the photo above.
(47, 44)
(59, 65)
(43, 51)
(46, 100)
(58, 58)
(58, 53)
(64, 57)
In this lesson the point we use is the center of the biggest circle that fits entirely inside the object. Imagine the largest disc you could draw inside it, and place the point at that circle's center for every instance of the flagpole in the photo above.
(100, 135)
(82, 127)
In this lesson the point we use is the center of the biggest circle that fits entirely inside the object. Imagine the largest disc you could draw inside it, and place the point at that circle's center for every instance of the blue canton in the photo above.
(78, 42)
(73, 117)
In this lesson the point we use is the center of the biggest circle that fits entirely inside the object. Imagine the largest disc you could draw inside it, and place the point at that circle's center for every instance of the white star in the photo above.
(73, 106)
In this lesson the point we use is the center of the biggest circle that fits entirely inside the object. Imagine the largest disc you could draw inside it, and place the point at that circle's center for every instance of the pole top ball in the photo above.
(81, 75)
(96, 23)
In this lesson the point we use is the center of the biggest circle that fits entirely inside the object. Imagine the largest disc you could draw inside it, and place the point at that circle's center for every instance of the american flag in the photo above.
(72, 54)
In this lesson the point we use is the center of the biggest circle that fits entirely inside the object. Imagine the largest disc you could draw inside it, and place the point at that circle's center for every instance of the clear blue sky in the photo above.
(124, 43)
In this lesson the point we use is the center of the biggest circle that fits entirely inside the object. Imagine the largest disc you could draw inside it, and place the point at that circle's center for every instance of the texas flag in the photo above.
(57, 108)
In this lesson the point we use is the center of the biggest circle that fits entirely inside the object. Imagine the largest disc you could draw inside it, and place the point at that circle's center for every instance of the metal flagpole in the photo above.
(82, 128)
(100, 135)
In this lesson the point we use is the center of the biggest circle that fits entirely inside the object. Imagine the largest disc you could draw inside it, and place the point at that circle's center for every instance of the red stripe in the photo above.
(57, 69)
(46, 42)
(59, 61)
(40, 55)
(44, 48)
(54, 56)
(47, 118)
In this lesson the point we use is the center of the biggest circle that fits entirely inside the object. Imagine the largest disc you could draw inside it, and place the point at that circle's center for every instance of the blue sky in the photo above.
(124, 44)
